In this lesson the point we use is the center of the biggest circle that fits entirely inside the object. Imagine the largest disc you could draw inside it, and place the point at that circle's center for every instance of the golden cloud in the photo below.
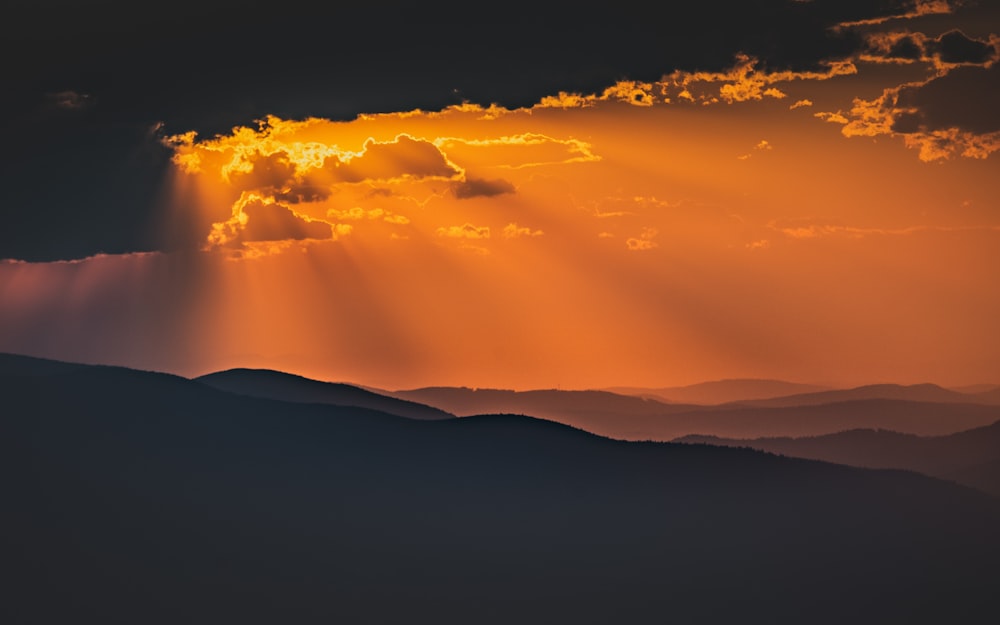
(465, 231)
(644, 241)
(514, 231)
(744, 81)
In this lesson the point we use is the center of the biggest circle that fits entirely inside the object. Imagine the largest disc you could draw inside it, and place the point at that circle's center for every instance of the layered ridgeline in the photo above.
(780, 393)
(287, 387)
(917, 410)
(139, 497)
(971, 457)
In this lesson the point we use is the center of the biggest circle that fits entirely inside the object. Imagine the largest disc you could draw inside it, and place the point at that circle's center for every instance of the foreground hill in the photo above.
(637, 418)
(971, 457)
(136, 497)
(293, 388)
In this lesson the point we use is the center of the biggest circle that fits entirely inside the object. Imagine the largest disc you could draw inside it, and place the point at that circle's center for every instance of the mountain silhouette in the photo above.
(988, 397)
(915, 392)
(288, 387)
(637, 418)
(140, 497)
(972, 389)
(466, 401)
(721, 391)
(971, 457)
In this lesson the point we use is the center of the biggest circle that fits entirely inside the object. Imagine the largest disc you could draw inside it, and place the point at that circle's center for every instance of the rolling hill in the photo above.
(721, 391)
(636, 418)
(270, 384)
(930, 393)
(971, 457)
(139, 497)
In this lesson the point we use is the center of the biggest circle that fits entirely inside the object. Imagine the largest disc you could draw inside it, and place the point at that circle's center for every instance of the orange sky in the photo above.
(740, 224)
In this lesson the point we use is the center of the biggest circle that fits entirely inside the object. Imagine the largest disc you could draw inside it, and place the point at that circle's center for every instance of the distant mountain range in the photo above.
(721, 391)
(636, 418)
(971, 457)
(140, 497)
(917, 392)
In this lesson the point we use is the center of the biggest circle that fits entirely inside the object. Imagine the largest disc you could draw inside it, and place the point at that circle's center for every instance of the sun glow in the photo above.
(743, 223)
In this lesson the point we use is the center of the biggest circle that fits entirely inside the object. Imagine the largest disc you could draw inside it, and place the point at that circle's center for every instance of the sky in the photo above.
(520, 197)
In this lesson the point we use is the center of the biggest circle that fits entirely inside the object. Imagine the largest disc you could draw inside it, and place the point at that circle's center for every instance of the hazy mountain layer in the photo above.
(635, 418)
(915, 392)
(971, 457)
(721, 391)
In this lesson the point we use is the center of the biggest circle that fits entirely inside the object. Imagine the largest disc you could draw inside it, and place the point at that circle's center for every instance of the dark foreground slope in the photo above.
(133, 497)
(971, 457)
(293, 388)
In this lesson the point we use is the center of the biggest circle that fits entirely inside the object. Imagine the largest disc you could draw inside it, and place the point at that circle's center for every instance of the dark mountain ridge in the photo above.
(464, 401)
(931, 393)
(970, 457)
(271, 384)
(721, 391)
(135, 496)
(637, 419)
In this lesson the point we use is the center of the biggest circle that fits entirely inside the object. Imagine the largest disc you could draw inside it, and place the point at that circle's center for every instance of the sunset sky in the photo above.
(802, 190)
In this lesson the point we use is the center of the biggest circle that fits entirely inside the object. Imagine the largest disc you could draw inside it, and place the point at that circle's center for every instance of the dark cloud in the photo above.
(275, 222)
(907, 48)
(967, 98)
(951, 48)
(405, 156)
(478, 187)
(273, 172)
(210, 66)
(70, 100)
(955, 47)
(193, 64)
(299, 193)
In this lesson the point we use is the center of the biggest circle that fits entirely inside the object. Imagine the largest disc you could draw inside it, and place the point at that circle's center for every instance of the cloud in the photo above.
(967, 98)
(355, 213)
(399, 220)
(893, 47)
(274, 155)
(257, 218)
(275, 222)
(906, 10)
(405, 156)
(519, 151)
(301, 193)
(951, 49)
(804, 229)
(70, 100)
(478, 187)
(745, 81)
(948, 115)
(632, 92)
(800, 104)
(762, 145)
(465, 231)
(644, 241)
(955, 48)
(513, 231)
(268, 171)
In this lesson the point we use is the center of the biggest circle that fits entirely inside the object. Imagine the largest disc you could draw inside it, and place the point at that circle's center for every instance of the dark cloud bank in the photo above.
(81, 171)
